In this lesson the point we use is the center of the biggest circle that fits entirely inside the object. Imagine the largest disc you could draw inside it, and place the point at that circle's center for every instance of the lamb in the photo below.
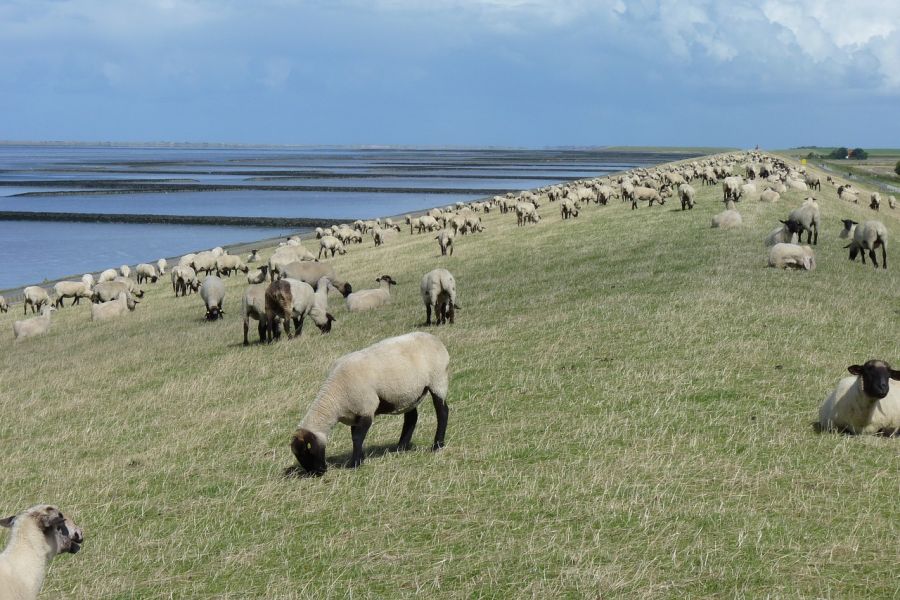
(864, 403)
(769, 195)
(107, 275)
(35, 325)
(313, 272)
(369, 299)
(805, 218)
(161, 265)
(868, 237)
(291, 300)
(213, 294)
(38, 534)
(253, 306)
(445, 240)
(229, 262)
(784, 256)
(781, 235)
(146, 272)
(71, 289)
(389, 377)
(727, 219)
(36, 297)
(438, 289)
(875, 201)
(686, 192)
(568, 208)
(330, 243)
(114, 308)
(259, 275)
(4, 306)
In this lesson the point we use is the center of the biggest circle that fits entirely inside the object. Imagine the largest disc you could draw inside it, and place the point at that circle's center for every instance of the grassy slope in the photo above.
(631, 407)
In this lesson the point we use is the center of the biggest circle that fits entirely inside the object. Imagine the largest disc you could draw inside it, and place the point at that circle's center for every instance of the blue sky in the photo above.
(462, 72)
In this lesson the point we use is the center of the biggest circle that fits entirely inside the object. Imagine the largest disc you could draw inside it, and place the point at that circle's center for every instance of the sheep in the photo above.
(125, 271)
(218, 251)
(213, 294)
(313, 272)
(259, 275)
(285, 256)
(728, 218)
(686, 193)
(646, 193)
(114, 308)
(445, 241)
(38, 534)
(35, 325)
(130, 285)
(749, 191)
(438, 288)
(795, 184)
(228, 263)
(892, 202)
(848, 230)
(71, 289)
(875, 201)
(253, 306)
(568, 208)
(868, 237)
(107, 275)
(35, 297)
(781, 235)
(846, 193)
(389, 377)
(291, 300)
(784, 256)
(731, 189)
(769, 195)
(369, 299)
(184, 280)
(161, 265)
(805, 218)
(254, 254)
(4, 305)
(88, 280)
(186, 260)
(427, 223)
(332, 244)
(864, 403)
(813, 182)
(146, 272)
(109, 290)
(204, 261)
(604, 194)
(413, 223)
(526, 213)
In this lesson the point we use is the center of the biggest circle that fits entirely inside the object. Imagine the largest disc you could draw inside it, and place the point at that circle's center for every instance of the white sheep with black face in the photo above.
(212, 291)
(866, 238)
(390, 377)
(38, 535)
(867, 402)
(361, 300)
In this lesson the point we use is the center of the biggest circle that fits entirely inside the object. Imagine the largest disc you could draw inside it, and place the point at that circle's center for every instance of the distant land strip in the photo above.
(286, 222)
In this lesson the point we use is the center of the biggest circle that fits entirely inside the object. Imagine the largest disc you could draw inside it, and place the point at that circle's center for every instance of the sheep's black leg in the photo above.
(298, 325)
(261, 329)
(442, 411)
(409, 425)
(428, 314)
(816, 238)
(883, 257)
(874, 258)
(358, 434)
(246, 329)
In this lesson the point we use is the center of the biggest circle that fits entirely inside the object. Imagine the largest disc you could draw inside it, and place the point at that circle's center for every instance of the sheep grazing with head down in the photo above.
(864, 403)
(438, 289)
(313, 272)
(36, 297)
(329, 243)
(290, 300)
(390, 377)
(866, 238)
(212, 291)
(686, 193)
(161, 265)
(253, 306)
(38, 535)
(445, 241)
(875, 201)
(146, 272)
(805, 218)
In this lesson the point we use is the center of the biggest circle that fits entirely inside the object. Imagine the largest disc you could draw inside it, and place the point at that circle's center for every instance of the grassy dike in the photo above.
(632, 399)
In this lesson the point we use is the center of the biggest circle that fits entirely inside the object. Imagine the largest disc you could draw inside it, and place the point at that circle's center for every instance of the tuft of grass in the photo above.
(632, 400)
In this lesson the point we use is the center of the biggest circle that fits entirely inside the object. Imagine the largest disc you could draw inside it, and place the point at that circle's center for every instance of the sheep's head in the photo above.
(60, 533)
(387, 278)
(793, 226)
(875, 376)
(310, 452)
(213, 313)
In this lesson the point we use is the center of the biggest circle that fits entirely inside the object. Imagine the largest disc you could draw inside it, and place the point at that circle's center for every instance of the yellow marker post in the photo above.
(802, 161)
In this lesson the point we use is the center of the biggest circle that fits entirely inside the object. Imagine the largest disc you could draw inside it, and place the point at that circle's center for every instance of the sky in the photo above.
(532, 73)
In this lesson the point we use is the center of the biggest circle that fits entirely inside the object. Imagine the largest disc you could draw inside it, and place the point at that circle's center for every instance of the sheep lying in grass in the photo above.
(4, 306)
(805, 218)
(369, 299)
(146, 272)
(445, 241)
(390, 377)
(792, 256)
(212, 291)
(35, 325)
(728, 218)
(290, 300)
(781, 235)
(253, 306)
(120, 306)
(769, 195)
(35, 297)
(864, 403)
(71, 289)
(867, 238)
(258, 275)
(438, 288)
(313, 272)
(38, 535)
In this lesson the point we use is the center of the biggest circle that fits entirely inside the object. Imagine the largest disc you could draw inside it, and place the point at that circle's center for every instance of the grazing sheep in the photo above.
(781, 235)
(114, 308)
(875, 201)
(125, 270)
(290, 300)
(130, 285)
(793, 256)
(428, 222)
(864, 403)
(107, 275)
(205, 262)
(445, 240)
(526, 213)
(369, 299)
(258, 275)
(868, 237)
(110, 290)
(253, 306)
(727, 219)
(313, 272)
(35, 297)
(229, 263)
(686, 192)
(254, 254)
(413, 223)
(731, 189)
(390, 377)
(185, 261)
(184, 280)
(146, 272)
(438, 289)
(285, 256)
(212, 291)
(813, 182)
(35, 325)
(332, 244)
(769, 195)
(805, 218)
(848, 230)
(38, 534)
(646, 193)
(568, 208)
(161, 265)
(71, 289)
(4, 306)
(88, 279)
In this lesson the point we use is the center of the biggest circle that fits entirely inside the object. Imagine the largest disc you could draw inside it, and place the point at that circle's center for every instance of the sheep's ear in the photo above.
(8, 521)
(855, 369)
(330, 317)
(895, 374)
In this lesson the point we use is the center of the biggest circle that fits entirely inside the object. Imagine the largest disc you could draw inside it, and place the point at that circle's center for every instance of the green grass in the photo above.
(632, 399)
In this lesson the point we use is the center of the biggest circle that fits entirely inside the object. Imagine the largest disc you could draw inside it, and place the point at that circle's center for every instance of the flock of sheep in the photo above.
(393, 376)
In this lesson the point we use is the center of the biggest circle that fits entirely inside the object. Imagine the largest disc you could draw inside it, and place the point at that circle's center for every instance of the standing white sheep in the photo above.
(866, 238)
(438, 289)
(445, 241)
(71, 289)
(212, 291)
(329, 243)
(390, 377)
(161, 265)
(290, 300)
(36, 297)
(864, 403)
